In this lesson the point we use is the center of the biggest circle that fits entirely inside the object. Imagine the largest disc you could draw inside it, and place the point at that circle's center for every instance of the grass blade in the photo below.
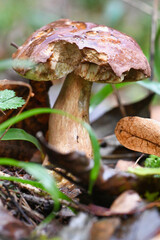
(103, 93)
(38, 172)
(19, 134)
(95, 144)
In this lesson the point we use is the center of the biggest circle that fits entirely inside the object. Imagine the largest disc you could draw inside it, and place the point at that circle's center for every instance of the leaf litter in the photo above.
(116, 201)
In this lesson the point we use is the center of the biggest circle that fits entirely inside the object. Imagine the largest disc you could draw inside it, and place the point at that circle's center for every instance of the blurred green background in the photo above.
(19, 18)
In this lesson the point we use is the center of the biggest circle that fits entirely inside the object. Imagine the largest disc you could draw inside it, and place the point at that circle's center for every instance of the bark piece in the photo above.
(139, 134)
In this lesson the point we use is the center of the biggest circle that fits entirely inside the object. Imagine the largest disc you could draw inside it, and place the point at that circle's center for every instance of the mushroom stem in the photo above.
(65, 134)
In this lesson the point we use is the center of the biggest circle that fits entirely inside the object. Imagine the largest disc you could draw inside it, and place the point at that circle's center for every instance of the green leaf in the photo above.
(113, 14)
(152, 161)
(24, 181)
(8, 100)
(95, 144)
(103, 93)
(5, 64)
(19, 134)
(9, 63)
(96, 154)
(150, 85)
(144, 171)
(5, 94)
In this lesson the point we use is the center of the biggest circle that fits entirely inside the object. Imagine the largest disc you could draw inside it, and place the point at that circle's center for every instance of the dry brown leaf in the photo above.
(104, 228)
(139, 134)
(123, 165)
(127, 202)
(110, 182)
(12, 228)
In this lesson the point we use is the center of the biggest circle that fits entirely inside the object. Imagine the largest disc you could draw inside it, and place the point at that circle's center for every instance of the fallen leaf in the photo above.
(19, 149)
(126, 203)
(40, 100)
(106, 124)
(139, 134)
(104, 229)
(124, 165)
(142, 226)
(110, 182)
(78, 228)
(12, 228)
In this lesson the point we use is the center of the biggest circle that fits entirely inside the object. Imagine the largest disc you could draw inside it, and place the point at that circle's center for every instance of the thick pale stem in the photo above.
(65, 134)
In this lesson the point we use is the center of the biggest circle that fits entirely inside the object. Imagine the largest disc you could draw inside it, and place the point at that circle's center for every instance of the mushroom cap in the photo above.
(94, 52)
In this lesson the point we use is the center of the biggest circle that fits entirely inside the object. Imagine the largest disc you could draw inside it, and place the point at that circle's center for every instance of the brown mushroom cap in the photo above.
(94, 52)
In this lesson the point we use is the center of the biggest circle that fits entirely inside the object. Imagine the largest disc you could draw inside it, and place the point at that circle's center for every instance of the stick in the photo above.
(121, 107)
(142, 6)
(153, 36)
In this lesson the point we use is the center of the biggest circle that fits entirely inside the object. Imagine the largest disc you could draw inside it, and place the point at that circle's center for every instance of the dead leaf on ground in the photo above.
(142, 226)
(78, 228)
(139, 134)
(40, 100)
(106, 124)
(19, 149)
(123, 165)
(12, 228)
(104, 229)
(110, 182)
(111, 151)
(127, 202)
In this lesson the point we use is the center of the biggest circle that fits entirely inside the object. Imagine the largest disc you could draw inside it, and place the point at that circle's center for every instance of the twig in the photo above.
(23, 185)
(142, 155)
(121, 107)
(14, 45)
(2, 112)
(37, 200)
(142, 6)
(153, 36)
(30, 94)
(17, 205)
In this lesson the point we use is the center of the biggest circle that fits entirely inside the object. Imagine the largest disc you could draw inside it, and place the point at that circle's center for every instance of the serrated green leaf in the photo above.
(8, 100)
(6, 94)
(19, 134)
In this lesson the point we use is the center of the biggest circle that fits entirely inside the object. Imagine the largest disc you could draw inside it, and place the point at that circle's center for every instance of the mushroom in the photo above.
(83, 53)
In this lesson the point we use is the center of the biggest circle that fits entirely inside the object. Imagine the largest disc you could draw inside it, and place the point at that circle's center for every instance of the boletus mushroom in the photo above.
(83, 53)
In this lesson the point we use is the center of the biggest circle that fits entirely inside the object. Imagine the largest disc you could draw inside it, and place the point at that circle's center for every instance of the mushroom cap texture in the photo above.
(94, 52)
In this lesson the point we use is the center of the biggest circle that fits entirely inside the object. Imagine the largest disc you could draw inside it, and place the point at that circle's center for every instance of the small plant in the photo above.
(8, 100)
(152, 162)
